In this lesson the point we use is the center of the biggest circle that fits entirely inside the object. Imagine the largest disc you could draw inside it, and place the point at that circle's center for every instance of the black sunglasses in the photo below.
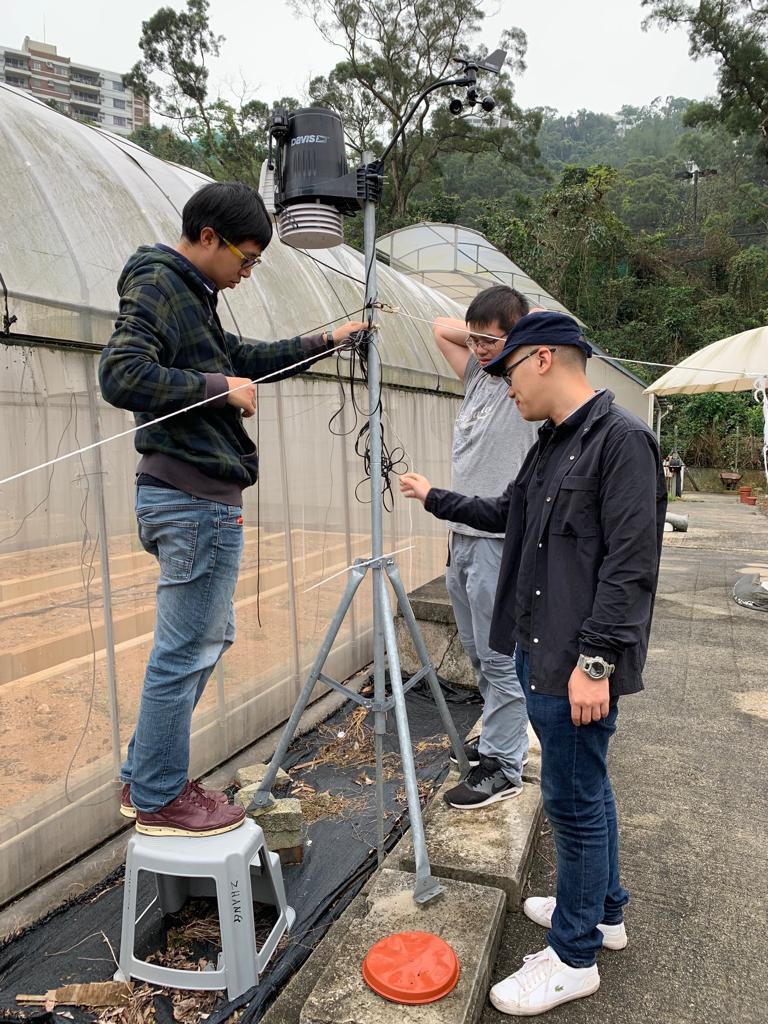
(507, 375)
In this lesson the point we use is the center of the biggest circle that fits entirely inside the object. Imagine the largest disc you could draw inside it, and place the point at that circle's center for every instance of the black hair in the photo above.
(500, 304)
(573, 356)
(234, 211)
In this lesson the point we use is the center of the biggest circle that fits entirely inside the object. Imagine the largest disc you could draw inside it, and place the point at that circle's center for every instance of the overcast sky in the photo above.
(590, 54)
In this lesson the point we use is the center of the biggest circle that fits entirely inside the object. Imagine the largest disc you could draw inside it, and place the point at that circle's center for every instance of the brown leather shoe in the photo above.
(129, 811)
(192, 813)
(126, 807)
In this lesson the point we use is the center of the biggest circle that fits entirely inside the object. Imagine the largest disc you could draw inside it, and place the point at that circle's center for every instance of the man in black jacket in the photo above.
(583, 522)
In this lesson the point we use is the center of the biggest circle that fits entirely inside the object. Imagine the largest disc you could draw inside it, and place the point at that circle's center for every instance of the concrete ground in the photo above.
(690, 770)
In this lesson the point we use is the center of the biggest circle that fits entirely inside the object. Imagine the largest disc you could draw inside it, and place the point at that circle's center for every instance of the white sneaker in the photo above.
(541, 908)
(542, 983)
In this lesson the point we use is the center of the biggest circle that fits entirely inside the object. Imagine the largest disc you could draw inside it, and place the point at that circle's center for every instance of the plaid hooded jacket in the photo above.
(169, 350)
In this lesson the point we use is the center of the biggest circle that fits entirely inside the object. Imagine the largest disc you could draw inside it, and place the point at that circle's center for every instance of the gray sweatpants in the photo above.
(471, 580)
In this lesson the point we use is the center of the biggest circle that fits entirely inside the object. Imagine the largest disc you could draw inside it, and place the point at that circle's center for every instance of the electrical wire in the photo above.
(178, 412)
(89, 546)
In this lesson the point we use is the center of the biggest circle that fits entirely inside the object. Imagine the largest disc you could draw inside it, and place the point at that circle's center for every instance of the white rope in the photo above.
(397, 311)
(167, 416)
(356, 565)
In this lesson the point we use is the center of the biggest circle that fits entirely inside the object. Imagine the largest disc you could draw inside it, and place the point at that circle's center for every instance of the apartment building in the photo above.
(84, 92)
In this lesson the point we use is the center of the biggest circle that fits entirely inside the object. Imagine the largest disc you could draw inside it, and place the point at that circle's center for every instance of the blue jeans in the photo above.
(471, 580)
(198, 545)
(578, 800)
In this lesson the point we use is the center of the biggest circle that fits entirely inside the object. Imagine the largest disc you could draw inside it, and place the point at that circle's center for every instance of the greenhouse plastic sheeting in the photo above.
(76, 588)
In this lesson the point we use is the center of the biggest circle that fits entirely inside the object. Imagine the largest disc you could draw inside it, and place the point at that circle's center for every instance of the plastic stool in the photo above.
(236, 868)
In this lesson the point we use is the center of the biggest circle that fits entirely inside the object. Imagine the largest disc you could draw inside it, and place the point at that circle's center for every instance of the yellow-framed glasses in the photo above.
(246, 262)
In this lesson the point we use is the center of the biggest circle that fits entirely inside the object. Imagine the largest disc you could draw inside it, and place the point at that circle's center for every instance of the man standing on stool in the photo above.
(169, 351)
(490, 441)
(583, 522)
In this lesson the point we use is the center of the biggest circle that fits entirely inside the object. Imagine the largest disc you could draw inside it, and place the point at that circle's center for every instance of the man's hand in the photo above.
(343, 332)
(590, 698)
(414, 485)
(245, 397)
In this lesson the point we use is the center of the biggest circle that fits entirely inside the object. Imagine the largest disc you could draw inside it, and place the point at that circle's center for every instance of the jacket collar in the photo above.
(191, 272)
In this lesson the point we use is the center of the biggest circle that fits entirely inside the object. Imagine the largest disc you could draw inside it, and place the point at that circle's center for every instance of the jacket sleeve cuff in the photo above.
(432, 500)
(590, 651)
(316, 345)
(216, 388)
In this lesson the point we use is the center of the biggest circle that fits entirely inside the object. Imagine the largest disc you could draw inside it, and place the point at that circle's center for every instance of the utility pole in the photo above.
(692, 173)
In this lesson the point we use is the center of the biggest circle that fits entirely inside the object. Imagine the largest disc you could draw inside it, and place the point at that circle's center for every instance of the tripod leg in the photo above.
(426, 887)
(262, 797)
(434, 684)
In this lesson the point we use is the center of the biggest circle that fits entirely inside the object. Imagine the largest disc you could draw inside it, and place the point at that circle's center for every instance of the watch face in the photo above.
(596, 671)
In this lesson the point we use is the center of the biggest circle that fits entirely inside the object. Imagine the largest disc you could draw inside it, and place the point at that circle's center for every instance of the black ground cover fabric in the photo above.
(71, 944)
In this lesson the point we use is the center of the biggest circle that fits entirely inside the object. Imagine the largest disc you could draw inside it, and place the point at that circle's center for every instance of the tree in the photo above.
(226, 140)
(393, 50)
(735, 33)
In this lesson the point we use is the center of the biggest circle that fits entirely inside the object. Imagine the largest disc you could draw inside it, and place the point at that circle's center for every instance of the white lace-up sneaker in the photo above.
(541, 908)
(542, 983)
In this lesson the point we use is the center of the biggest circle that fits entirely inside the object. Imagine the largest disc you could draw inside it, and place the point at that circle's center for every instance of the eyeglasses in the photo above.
(246, 262)
(507, 375)
(485, 341)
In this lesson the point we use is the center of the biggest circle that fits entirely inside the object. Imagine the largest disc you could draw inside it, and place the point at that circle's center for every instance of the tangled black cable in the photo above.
(357, 375)
(9, 319)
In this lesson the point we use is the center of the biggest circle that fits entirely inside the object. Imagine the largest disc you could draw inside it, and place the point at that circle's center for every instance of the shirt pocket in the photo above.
(575, 513)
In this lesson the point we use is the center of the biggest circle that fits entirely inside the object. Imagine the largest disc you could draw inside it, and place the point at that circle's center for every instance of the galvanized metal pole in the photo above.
(374, 438)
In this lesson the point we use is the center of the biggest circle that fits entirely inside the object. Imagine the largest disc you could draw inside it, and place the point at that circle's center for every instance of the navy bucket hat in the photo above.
(540, 329)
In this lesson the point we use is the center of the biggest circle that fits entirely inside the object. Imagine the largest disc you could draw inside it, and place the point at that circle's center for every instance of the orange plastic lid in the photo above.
(411, 967)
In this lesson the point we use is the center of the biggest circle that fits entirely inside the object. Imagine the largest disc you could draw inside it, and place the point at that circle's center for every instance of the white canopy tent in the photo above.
(738, 363)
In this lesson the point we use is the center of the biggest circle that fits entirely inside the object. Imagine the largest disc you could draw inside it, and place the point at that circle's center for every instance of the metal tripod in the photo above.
(382, 568)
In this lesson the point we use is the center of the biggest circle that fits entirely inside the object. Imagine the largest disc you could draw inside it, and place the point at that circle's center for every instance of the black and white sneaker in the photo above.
(486, 784)
(472, 750)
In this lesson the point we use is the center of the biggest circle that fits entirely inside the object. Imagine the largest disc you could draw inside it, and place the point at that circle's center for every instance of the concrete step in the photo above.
(468, 917)
(490, 846)
(434, 614)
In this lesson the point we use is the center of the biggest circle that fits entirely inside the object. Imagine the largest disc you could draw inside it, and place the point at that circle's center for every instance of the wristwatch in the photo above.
(328, 337)
(596, 668)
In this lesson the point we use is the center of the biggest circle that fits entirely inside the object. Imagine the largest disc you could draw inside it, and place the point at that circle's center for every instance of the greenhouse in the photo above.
(76, 587)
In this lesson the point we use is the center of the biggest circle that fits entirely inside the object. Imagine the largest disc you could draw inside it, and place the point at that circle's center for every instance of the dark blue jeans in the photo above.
(578, 800)
(198, 545)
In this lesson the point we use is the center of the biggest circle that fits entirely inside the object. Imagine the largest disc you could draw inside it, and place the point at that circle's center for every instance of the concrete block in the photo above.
(282, 815)
(468, 917)
(490, 846)
(285, 840)
(444, 650)
(431, 602)
(252, 775)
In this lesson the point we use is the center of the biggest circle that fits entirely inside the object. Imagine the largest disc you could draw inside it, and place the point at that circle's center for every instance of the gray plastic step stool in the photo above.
(236, 868)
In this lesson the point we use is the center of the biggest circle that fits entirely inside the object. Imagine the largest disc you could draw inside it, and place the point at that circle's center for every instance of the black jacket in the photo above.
(597, 551)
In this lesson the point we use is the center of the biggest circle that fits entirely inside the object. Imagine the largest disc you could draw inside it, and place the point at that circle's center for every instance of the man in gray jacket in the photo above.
(490, 441)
